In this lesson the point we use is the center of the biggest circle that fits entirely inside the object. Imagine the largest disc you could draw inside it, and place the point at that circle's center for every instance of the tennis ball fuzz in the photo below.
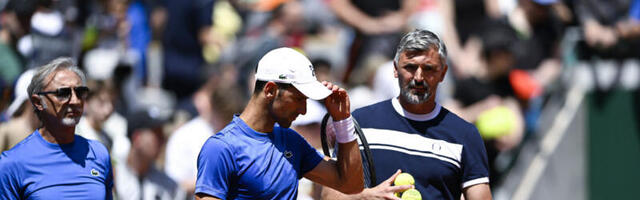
(404, 179)
(411, 194)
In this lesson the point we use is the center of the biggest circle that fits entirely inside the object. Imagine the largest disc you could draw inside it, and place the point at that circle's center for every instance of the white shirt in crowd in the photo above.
(183, 148)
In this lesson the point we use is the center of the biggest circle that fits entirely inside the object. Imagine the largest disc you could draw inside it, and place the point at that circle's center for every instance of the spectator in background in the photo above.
(99, 108)
(54, 162)
(609, 27)
(49, 36)
(378, 26)
(106, 77)
(186, 30)
(16, 20)
(611, 31)
(11, 63)
(538, 48)
(225, 99)
(138, 177)
(22, 120)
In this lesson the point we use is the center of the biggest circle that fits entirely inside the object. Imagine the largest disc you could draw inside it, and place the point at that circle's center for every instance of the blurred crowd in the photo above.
(164, 75)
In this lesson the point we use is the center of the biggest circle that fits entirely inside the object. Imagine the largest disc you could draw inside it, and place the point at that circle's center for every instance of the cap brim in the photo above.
(313, 90)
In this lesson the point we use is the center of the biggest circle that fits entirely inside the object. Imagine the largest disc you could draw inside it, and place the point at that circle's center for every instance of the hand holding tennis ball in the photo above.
(404, 179)
(410, 194)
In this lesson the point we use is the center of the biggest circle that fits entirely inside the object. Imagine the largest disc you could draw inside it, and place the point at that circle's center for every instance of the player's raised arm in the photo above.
(345, 174)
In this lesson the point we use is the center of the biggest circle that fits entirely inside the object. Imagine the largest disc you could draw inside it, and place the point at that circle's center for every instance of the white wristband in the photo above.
(344, 130)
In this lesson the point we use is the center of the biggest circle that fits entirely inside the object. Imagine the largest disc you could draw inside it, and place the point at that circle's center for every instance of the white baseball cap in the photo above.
(20, 91)
(285, 65)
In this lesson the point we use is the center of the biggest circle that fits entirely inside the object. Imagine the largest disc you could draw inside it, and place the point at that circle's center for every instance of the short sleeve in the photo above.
(109, 181)
(310, 157)
(216, 167)
(204, 12)
(474, 160)
(10, 187)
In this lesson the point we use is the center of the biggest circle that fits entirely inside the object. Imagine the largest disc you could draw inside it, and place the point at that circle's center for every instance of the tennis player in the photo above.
(257, 156)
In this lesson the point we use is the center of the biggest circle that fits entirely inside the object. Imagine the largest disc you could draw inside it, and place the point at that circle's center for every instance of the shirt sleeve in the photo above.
(474, 160)
(216, 166)
(204, 12)
(310, 157)
(109, 180)
(10, 187)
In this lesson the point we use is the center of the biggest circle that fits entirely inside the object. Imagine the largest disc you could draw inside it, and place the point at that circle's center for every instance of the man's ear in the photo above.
(270, 90)
(443, 72)
(395, 69)
(37, 101)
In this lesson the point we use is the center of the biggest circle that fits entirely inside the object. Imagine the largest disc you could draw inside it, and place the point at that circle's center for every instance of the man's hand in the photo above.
(382, 191)
(337, 103)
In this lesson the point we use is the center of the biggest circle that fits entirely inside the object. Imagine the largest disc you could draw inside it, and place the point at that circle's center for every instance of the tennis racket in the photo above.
(367, 160)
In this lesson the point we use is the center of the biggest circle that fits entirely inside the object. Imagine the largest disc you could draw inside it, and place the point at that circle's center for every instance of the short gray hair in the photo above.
(38, 81)
(421, 40)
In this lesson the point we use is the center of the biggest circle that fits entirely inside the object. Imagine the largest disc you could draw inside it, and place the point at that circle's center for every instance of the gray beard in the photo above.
(415, 98)
(411, 98)
(70, 121)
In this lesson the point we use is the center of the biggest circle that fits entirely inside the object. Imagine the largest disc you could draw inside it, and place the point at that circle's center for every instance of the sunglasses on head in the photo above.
(82, 92)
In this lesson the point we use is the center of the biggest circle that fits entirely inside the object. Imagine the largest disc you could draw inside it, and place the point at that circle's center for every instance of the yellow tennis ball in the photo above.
(411, 194)
(495, 122)
(404, 179)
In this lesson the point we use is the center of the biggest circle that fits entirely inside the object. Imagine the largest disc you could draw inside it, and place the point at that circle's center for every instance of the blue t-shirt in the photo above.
(443, 152)
(37, 169)
(240, 163)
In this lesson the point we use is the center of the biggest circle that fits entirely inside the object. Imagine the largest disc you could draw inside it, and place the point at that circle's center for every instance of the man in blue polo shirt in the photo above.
(252, 158)
(413, 133)
(53, 162)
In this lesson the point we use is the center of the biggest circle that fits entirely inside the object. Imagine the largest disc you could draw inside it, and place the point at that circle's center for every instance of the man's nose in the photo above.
(74, 98)
(418, 76)
(303, 109)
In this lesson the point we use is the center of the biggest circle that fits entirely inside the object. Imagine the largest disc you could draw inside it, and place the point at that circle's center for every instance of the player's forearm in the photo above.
(350, 168)
(331, 194)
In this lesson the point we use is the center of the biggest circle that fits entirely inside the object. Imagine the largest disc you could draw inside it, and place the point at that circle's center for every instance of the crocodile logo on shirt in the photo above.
(288, 154)
(95, 172)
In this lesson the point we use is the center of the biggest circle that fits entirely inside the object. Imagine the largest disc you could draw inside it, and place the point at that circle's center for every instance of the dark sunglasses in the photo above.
(63, 94)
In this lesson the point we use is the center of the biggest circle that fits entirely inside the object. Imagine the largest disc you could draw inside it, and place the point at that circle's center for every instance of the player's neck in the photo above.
(257, 118)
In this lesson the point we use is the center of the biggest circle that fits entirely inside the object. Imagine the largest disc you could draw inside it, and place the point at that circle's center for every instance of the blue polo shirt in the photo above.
(240, 163)
(37, 169)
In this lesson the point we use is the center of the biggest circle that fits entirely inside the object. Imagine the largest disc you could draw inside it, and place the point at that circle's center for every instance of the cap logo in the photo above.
(313, 71)
(282, 76)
